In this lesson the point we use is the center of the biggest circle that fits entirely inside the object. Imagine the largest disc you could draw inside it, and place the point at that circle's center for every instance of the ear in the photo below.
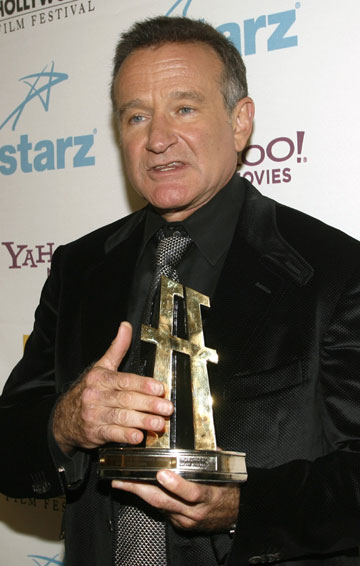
(242, 122)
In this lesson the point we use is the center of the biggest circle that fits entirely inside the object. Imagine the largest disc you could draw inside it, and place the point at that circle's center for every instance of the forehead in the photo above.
(166, 66)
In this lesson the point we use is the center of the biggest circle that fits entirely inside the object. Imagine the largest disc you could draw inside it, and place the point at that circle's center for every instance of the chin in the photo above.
(168, 198)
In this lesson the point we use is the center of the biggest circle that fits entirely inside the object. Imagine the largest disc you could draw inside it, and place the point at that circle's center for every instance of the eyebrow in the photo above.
(131, 104)
(188, 94)
(176, 95)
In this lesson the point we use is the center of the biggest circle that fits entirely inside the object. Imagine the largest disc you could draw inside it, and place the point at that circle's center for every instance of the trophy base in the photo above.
(142, 464)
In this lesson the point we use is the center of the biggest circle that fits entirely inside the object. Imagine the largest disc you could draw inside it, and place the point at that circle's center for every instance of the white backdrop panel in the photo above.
(56, 59)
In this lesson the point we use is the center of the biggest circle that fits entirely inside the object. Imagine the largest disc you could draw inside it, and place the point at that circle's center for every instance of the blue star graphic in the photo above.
(47, 561)
(185, 8)
(35, 90)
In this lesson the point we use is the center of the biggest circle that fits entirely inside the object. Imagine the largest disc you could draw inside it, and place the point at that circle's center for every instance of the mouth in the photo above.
(167, 166)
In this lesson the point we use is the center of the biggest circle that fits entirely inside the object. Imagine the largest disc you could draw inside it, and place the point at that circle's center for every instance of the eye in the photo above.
(186, 110)
(136, 119)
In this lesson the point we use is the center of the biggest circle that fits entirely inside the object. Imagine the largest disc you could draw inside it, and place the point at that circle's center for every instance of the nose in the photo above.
(160, 135)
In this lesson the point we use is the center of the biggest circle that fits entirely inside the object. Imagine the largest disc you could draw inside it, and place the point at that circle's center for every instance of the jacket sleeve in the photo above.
(304, 508)
(28, 464)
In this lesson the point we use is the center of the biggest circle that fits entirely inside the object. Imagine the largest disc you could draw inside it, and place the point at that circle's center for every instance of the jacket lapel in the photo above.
(106, 293)
(261, 277)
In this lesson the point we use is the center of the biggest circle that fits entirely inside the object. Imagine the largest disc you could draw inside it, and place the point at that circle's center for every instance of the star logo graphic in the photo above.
(44, 560)
(185, 8)
(40, 85)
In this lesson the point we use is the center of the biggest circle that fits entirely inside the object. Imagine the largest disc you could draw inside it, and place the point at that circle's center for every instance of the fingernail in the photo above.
(165, 408)
(157, 424)
(117, 484)
(157, 388)
(164, 477)
(137, 437)
(123, 325)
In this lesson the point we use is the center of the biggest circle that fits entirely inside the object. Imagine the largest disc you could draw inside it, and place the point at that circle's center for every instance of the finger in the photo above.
(144, 490)
(152, 494)
(118, 348)
(121, 382)
(132, 419)
(190, 492)
(112, 399)
(160, 499)
(183, 522)
(101, 435)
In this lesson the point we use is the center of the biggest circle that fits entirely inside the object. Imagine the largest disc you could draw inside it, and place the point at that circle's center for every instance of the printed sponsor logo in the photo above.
(277, 27)
(23, 256)
(40, 85)
(17, 15)
(46, 154)
(40, 560)
(255, 160)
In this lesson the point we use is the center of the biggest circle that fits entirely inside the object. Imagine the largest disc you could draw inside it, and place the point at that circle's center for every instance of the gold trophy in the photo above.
(188, 444)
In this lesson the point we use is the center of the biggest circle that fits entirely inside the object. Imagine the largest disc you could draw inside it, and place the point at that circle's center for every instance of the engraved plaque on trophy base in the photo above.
(188, 444)
(196, 465)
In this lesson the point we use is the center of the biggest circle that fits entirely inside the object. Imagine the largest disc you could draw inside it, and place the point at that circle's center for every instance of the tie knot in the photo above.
(171, 248)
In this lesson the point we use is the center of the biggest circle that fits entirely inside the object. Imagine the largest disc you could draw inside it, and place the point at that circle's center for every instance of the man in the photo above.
(284, 319)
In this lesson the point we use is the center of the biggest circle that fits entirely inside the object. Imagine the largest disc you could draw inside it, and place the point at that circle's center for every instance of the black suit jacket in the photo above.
(285, 320)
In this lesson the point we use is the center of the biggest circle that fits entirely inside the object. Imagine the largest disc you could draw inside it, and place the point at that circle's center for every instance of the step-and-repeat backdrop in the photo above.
(60, 168)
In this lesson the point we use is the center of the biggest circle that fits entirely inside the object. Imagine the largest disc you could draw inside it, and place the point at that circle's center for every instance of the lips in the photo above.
(171, 166)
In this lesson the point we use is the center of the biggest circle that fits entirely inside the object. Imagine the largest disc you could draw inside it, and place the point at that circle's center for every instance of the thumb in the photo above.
(118, 348)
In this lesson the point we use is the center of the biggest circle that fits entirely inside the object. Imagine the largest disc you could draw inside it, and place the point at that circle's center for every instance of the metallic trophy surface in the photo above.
(188, 444)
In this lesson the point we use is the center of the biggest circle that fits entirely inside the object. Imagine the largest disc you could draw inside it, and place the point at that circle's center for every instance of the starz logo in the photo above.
(44, 154)
(40, 85)
(244, 35)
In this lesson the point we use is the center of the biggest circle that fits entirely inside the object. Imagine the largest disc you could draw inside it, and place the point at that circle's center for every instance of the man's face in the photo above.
(179, 142)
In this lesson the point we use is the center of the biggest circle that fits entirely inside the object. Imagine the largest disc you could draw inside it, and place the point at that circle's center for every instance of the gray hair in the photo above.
(163, 29)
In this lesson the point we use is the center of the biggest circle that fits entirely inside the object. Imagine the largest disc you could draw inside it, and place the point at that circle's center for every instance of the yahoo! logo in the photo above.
(279, 23)
(278, 151)
(22, 255)
(40, 85)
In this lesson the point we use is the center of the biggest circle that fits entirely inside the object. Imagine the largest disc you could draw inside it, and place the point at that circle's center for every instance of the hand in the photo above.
(110, 406)
(189, 505)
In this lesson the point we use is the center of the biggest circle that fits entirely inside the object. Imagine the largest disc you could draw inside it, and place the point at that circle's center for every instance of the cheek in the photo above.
(223, 145)
(132, 157)
(212, 141)
(211, 154)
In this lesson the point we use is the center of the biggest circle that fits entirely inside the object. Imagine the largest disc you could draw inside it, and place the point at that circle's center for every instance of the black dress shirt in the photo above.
(211, 228)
